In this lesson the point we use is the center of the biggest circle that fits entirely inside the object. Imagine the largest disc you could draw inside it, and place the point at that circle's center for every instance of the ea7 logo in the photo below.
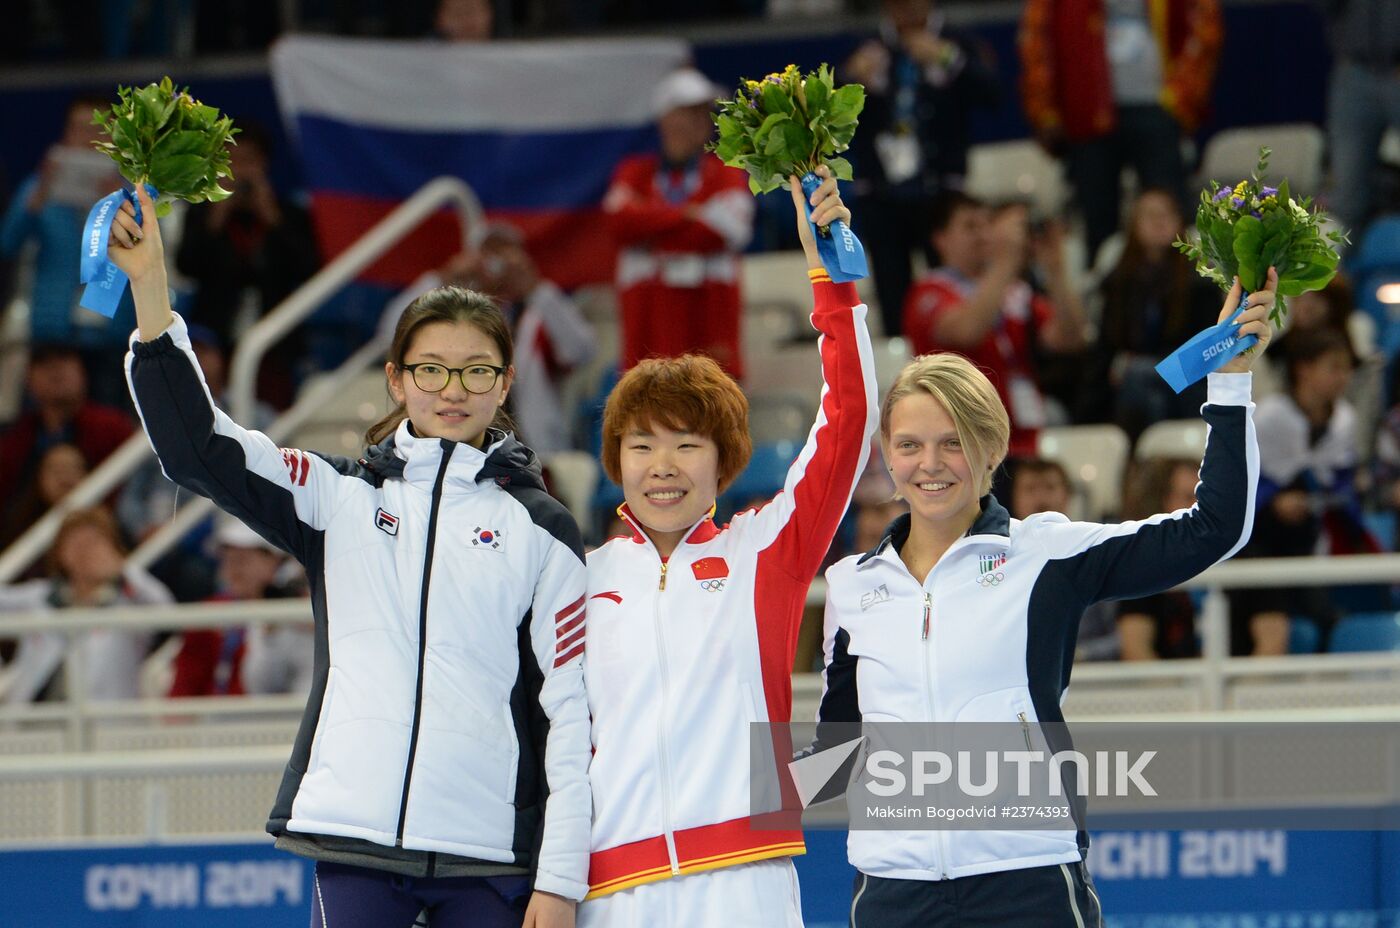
(298, 467)
(881, 594)
(386, 522)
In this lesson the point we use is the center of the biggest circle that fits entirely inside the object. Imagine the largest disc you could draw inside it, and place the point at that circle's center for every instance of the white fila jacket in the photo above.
(684, 654)
(447, 727)
(958, 648)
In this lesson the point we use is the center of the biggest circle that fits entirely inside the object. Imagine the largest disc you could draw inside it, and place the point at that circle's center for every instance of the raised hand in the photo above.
(134, 247)
(826, 209)
(1253, 321)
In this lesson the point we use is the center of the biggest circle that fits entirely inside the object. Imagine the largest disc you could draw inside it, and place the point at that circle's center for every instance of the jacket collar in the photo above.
(699, 533)
(416, 460)
(993, 526)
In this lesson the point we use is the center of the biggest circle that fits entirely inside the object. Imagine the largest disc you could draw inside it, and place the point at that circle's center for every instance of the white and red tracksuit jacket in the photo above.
(679, 235)
(684, 653)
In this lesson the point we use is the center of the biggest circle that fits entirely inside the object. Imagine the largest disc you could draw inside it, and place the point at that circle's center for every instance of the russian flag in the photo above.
(534, 128)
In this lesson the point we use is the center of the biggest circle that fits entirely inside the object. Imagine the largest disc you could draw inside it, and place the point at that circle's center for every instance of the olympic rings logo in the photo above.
(987, 580)
(712, 586)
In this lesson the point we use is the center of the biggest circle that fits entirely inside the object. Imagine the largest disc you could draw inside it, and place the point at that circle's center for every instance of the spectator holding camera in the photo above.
(48, 210)
(979, 303)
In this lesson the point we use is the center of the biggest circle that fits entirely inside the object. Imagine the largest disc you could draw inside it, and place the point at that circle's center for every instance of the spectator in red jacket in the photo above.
(209, 661)
(1112, 83)
(59, 413)
(979, 304)
(680, 218)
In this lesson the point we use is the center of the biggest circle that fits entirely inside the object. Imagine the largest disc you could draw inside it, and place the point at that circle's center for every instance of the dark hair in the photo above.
(446, 304)
(1122, 286)
(255, 134)
(689, 393)
(95, 517)
(947, 206)
(1310, 344)
(1029, 467)
(1148, 483)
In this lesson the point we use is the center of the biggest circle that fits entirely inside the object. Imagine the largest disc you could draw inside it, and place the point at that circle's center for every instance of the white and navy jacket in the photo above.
(685, 652)
(447, 727)
(958, 649)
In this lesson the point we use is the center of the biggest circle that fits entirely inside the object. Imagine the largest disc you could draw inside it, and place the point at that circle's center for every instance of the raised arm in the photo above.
(795, 529)
(285, 494)
(1134, 559)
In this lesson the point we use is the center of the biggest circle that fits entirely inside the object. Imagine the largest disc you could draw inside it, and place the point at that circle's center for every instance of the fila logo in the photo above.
(487, 538)
(881, 594)
(386, 522)
(298, 467)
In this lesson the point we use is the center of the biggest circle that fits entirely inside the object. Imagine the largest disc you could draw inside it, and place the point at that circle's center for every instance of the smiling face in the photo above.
(670, 480)
(453, 413)
(931, 471)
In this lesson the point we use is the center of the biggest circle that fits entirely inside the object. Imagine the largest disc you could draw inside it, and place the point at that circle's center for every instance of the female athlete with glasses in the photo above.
(442, 762)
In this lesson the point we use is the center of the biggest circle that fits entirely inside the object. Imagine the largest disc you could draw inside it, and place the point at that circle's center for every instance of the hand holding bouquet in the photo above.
(1244, 231)
(168, 141)
(788, 125)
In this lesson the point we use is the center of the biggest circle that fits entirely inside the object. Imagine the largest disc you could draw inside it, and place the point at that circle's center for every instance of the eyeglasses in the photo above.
(434, 378)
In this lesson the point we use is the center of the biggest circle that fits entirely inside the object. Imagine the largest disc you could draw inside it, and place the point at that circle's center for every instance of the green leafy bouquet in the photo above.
(162, 136)
(786, 125)
(1246, 229)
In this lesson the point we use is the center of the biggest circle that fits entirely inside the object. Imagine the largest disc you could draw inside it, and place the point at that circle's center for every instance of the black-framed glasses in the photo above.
(434, 378)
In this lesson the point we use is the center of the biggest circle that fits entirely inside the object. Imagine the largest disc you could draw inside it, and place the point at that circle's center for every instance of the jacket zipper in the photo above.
(422, 638)
(925, 657)
(1025, 728)
(667, 820)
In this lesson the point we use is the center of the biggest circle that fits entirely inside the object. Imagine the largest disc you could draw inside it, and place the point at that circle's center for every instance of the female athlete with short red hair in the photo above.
(692, 626)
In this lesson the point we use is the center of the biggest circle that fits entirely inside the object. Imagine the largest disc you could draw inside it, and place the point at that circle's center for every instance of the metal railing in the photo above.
(107, 476)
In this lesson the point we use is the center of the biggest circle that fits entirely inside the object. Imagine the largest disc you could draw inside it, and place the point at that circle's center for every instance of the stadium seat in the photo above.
(765, 474)
(1303, 636)
(891, 354)
(1020, 170)
(1383, 313)
(1378, 249)
(1231, 155)
(1094, 457)
(339, 425)
(793, 371)
(776, 418)
(1367, 631)
(1172, 438)
(573, 480)
(1382, 526)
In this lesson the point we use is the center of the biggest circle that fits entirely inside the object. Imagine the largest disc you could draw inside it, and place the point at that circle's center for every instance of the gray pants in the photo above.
(1362, 103)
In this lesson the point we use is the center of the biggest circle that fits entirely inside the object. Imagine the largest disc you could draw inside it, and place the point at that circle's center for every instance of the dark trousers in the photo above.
(1058, 896)
(1148, 139)
(357, 897)
(892, 226)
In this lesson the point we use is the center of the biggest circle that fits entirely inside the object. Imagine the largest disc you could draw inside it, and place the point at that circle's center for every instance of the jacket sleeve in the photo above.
(796, 527)
(286, 495)
(1190, 74)
(557, 637)
(1134, 559)
(1033, 42)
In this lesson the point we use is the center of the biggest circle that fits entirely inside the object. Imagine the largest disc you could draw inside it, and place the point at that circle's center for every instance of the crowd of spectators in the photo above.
(1064, 345)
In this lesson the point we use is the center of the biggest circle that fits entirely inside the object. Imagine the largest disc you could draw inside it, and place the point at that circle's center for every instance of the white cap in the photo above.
(685, 87)
(235, 534)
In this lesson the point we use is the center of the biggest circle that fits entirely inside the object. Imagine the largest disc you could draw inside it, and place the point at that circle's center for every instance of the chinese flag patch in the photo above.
(710, 568)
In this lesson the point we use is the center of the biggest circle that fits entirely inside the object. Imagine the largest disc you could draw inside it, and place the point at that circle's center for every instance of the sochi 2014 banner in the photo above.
(535, 128)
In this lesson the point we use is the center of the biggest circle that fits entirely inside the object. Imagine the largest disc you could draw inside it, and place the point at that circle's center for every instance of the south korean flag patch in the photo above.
(487, 538)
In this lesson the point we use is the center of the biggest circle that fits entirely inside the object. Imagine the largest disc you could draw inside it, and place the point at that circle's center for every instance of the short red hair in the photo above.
(690, 393)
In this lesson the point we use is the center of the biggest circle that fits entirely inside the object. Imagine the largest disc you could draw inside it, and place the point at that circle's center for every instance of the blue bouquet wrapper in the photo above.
(105, 282)
(841, 252)
(1206, 352)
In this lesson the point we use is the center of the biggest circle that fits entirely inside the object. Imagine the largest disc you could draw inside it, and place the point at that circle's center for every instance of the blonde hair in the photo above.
(971, 401)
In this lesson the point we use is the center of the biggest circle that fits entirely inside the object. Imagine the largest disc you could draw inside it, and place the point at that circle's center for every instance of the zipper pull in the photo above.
(1025, 728)
(928, 612)
(662, 585)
